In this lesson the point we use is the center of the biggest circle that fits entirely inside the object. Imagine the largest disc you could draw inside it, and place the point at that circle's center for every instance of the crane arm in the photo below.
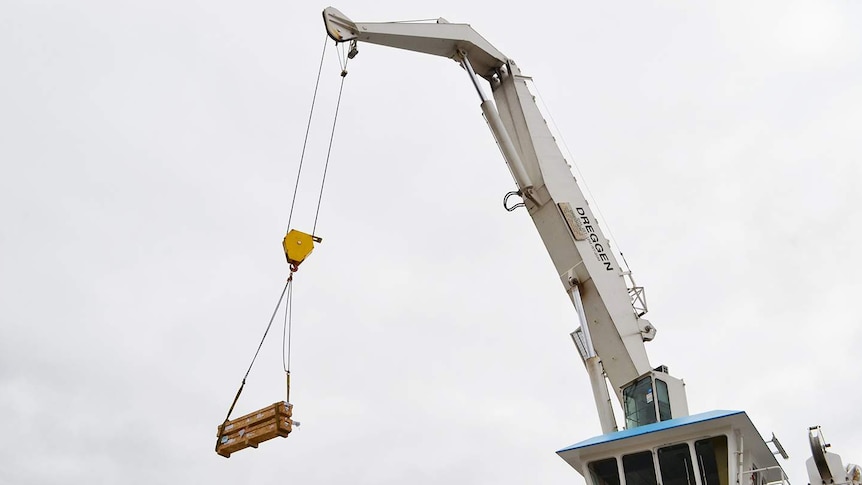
(439, 39)
(579, 250)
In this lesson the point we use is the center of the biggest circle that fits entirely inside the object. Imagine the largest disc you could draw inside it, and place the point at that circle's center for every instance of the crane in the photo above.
(612, 329)
(661, 442)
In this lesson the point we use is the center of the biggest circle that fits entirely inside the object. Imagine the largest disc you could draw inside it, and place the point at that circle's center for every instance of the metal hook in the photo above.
(506, 200)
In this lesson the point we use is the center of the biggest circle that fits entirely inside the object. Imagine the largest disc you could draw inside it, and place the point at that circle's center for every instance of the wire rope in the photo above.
(329, 149)
(286, 339)
(411, 21)
(307, 131)
(265, 332)
(288, 309)
(339, 49)
(286, 331)
(288, 286)
(343, 58)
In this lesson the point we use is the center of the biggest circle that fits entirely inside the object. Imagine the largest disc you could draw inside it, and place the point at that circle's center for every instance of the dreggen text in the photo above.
(598, 248)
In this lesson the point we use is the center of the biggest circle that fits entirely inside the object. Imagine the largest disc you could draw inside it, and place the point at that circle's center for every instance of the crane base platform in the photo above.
(254, 428)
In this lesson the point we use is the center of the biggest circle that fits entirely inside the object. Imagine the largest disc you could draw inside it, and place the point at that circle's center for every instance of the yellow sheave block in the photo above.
(297, 246)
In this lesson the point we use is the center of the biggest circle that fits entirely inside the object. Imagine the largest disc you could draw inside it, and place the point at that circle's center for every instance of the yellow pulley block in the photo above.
(297, 246)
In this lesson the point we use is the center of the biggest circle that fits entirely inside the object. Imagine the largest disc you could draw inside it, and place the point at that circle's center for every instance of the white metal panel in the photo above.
(613, 325)
(439, 39)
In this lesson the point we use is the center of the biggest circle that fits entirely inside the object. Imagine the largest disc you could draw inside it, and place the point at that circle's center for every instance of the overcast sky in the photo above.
(147, 157)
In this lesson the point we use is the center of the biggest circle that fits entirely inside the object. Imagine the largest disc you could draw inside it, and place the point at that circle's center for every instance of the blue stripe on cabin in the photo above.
(652, 428)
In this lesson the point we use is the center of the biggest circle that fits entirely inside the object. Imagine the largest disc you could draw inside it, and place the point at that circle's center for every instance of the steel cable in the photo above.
(253, 359)
(307, 131)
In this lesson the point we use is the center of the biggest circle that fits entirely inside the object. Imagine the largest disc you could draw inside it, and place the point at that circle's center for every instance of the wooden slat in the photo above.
(258, 416)
(254, 428)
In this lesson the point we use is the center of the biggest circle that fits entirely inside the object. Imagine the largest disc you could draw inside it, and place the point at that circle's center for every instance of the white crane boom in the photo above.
(612, 334)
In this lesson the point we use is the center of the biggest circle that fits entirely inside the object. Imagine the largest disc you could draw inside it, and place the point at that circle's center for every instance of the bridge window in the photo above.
(605, 472)
(674, 462)
(639, 469)
(712, 458)
(639, 403)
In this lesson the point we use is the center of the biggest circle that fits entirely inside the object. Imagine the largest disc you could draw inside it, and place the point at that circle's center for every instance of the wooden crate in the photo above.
(254, 428)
